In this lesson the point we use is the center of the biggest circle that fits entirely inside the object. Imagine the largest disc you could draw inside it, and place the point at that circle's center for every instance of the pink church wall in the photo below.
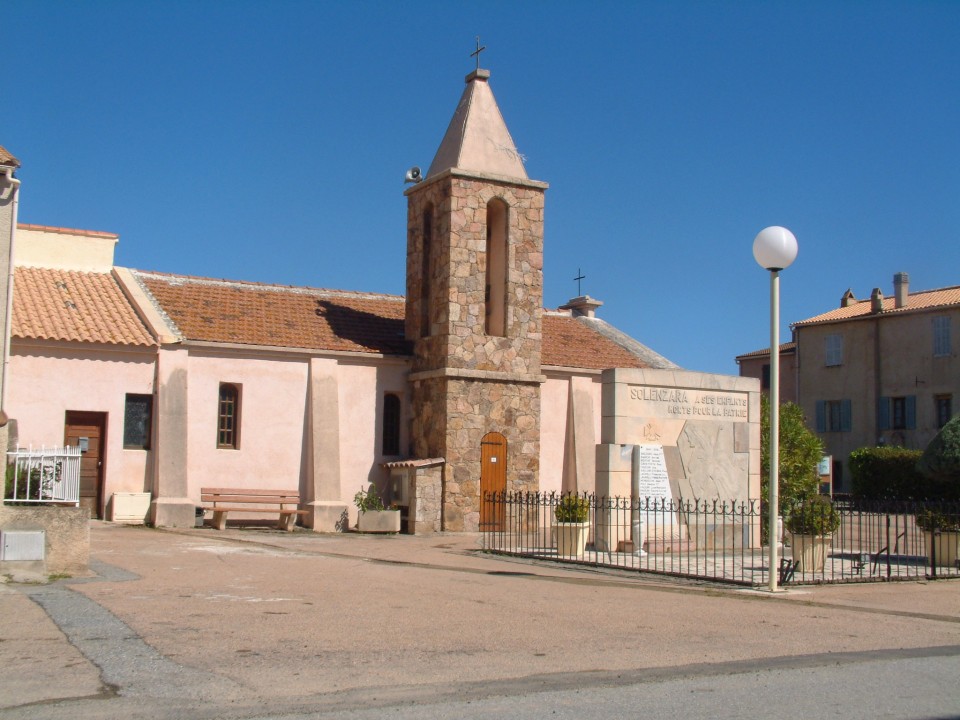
(273, 421)
(554, 419)
(361, 441)
(43, 386)
(272, 412)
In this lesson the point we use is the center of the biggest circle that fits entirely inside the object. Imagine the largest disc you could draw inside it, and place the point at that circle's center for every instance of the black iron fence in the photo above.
(726, 541)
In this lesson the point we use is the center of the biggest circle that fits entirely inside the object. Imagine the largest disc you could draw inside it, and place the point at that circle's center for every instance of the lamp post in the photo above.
(774, 249)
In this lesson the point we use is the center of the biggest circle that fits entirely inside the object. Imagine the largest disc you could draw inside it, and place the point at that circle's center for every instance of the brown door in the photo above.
(493, 479)
(89, 430)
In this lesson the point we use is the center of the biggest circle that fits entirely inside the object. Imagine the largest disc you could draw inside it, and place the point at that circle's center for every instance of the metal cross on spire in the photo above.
(580, 276)
(476, 53)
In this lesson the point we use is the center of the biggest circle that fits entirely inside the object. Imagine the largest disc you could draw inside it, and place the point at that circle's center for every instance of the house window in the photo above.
(834, 416)
(228, 418)
(941, 335)
(897, 413)
(944, 405)
(765, 377)
(899, 407)
(391, 424)
(833, 350)
(137, 421)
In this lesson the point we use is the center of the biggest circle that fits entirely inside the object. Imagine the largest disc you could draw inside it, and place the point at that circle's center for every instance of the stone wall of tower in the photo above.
(458, 275)
(466, 383)
(450, 418)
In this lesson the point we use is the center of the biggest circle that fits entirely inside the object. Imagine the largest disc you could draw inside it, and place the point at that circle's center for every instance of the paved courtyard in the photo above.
(239, 623)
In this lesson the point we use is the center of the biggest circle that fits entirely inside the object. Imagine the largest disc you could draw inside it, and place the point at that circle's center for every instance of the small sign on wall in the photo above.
(825, 471)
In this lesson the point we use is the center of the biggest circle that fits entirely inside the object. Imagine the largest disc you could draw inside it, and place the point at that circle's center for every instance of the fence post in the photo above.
(934, 541)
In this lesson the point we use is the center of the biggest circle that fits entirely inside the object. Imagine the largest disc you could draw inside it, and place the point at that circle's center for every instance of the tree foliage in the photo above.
(941, 460)
(800, 452)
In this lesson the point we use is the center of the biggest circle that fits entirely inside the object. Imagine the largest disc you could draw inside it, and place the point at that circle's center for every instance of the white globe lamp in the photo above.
(775, 248)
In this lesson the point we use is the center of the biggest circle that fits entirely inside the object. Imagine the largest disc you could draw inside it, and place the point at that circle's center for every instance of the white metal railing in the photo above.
(47, 475)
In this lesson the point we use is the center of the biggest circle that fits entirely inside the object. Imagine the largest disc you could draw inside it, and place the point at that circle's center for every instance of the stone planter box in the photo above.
(379, 521)
(571, 538)
(810, 551)
(946, 547)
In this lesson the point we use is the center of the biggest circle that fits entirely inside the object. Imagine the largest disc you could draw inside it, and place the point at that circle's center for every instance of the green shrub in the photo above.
(800, 452)
(368, 500)
(31, 483)
(930, 520)
(940, 462)
(888, 473)
(572, 509)
(814, 516)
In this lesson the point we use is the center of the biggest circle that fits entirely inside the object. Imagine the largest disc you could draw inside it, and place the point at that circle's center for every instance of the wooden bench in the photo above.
(244, 500)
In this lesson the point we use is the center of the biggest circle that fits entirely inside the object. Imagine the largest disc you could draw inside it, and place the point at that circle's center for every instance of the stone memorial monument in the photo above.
(699, 440)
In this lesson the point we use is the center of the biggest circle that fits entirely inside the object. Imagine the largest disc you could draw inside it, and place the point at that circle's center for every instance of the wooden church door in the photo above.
(493, 478)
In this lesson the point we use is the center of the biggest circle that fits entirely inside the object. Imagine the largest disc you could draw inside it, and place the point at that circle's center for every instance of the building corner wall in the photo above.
(171, 505)
(322, 496)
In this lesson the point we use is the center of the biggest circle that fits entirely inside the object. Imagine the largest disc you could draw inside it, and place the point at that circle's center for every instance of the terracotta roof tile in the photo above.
(923, 300)
(277, 316)
(784, 348)
(7, 159)
(74, 306)
(66, 231)
(247, 313)
(567, 342)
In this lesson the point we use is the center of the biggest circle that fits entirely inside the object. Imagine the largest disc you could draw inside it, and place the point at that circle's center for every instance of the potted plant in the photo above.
(373, 517)
(945, 545)
(811, 525)
(570, 532)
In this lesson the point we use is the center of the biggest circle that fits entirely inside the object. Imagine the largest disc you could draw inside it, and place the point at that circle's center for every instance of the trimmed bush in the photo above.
(930, 519)
(814, 516)
(940, 462)
(572, 509)
(888, 473)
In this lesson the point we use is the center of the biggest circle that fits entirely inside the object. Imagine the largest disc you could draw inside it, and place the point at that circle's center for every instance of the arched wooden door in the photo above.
(493, 478)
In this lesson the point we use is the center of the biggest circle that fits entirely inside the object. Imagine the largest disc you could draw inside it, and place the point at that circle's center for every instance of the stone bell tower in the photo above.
(473, 312)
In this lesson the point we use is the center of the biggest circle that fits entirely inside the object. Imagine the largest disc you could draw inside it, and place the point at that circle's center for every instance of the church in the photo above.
(465, 385)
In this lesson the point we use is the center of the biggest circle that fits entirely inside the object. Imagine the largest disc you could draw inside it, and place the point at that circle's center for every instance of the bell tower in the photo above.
(473, 310)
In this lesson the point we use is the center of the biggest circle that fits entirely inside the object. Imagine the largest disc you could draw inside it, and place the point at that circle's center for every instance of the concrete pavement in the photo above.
(201, 623)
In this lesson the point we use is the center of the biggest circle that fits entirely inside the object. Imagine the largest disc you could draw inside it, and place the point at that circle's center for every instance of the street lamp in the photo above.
(774, 249)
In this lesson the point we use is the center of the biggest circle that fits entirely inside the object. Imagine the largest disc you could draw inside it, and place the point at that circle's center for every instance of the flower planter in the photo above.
(946, 547)
(379, 521)
(571, 538)
(810, 551)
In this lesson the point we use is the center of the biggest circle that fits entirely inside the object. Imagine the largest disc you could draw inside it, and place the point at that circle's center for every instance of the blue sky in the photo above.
(268, 142)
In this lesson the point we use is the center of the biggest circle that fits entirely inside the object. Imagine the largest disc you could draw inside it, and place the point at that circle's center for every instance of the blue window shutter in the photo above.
(883, 413)
(911, 412)
(821, 416)
(846, 415)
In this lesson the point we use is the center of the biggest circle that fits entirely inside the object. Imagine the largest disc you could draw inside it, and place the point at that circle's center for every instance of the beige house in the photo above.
(882, 371)
(467, 384)
(756, 364)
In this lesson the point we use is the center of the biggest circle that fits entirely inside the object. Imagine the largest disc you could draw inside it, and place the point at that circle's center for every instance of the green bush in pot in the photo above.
(572, 509)
(814, 516)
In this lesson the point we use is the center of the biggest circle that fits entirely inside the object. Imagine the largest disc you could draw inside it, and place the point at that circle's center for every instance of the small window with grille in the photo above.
(228, 418)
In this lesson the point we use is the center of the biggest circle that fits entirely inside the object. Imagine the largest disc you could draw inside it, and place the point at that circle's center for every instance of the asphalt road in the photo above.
(852, 688)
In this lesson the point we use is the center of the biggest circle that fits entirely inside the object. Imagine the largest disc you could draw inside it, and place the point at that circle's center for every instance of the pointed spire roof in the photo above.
(477, 139)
